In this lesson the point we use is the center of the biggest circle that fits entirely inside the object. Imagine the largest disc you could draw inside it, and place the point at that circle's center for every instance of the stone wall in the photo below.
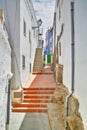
(74, 117)
(59, 73)
(5, 66)
(63, 17)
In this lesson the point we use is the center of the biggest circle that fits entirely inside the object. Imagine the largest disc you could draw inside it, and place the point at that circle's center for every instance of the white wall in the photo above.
(30, 20)
(80, 50)
(15, 13)
(5, 66)
(11, 10)
(81, 55)
(12, 16)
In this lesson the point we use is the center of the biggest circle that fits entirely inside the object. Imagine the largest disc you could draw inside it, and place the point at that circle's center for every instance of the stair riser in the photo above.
(39, 89)
(39, 73)
(29, 110)
(29, 105)
(38, 60)
(38, 92)
(36, 101)
(36, 96)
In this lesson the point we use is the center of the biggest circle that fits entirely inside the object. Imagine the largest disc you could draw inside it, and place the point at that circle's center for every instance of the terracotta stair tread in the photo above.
(29, 109)
(29, 105)
(37, 96)
(34, 100)
(38, 92)
(42, 73)
(37, 88)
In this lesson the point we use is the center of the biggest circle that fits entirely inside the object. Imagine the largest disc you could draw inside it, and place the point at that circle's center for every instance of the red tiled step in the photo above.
(37, 88)
(29, 105)
(29, 109)
(36, 100)
(38, 92)
(42, 73)
(37, 96)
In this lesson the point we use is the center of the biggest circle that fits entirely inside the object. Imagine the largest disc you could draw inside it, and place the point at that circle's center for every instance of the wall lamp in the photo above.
(39, 23)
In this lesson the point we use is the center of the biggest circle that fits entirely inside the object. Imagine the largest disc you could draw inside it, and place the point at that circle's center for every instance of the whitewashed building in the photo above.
(63, 37)
(5, 69)
(20, 19)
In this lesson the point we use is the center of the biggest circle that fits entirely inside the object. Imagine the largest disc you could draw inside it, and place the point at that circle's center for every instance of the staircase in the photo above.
(35, 100)
(38, 60)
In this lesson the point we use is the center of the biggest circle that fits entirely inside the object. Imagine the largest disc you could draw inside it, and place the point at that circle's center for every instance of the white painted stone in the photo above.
(15, 13)
(80, 49)
(5, 66)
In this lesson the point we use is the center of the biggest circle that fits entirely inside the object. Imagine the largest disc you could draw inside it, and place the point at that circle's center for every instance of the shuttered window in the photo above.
(24, 28)
(23, 62)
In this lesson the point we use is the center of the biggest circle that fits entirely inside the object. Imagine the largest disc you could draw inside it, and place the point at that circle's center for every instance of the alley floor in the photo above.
(29, 121)
(34, 120)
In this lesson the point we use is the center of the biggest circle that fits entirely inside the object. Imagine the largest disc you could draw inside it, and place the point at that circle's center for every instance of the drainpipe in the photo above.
(73, 60)
(9, 77)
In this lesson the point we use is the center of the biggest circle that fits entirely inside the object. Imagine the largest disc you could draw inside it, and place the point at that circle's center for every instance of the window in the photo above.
(30, 42)
(30, 67)
(24, 28)
(29, 36)
(34, 31)
(23, 62)
(59, 11)
(57, 3)
(60, 3)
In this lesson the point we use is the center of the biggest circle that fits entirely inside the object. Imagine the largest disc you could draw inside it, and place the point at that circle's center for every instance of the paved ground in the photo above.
(34, 121)
(45, 79)
(29, 121)
(16, 120)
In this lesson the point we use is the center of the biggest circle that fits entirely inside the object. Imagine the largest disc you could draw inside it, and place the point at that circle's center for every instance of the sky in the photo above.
(44, 10)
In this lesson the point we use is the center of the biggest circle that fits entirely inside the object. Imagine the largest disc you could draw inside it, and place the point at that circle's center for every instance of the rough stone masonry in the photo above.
(59, 98)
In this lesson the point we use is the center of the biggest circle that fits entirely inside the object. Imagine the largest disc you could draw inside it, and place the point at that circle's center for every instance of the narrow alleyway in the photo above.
(35, 121)
(36, 98)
